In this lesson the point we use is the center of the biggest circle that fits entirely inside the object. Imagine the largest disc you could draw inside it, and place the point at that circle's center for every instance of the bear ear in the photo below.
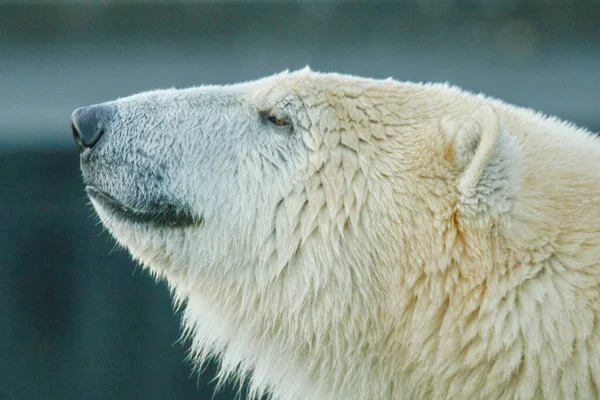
(488, 160)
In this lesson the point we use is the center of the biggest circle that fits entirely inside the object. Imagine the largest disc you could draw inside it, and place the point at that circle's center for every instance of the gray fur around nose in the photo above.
(90, 123)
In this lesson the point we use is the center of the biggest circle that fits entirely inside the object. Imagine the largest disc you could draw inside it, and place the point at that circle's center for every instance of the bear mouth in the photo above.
(158, 215)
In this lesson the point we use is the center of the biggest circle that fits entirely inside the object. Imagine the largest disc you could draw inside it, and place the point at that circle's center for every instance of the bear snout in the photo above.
(90, 123)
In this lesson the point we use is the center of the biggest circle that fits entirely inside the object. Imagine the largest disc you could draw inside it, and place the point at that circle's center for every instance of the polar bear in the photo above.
(336, 237)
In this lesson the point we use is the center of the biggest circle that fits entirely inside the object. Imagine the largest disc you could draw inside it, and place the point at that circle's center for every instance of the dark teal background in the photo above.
(79, 320)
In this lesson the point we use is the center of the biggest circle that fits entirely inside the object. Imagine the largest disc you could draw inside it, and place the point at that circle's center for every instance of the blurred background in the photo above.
(78, 320)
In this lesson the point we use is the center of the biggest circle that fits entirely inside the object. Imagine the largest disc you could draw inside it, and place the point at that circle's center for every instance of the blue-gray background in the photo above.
(77, 319)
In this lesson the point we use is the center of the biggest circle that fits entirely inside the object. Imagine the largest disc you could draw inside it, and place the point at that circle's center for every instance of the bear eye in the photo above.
(278, 121)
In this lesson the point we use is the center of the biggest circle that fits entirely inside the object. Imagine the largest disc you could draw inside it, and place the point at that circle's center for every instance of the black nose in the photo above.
(90, 123)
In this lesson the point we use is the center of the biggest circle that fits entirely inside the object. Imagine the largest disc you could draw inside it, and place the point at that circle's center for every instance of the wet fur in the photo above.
(397, 241)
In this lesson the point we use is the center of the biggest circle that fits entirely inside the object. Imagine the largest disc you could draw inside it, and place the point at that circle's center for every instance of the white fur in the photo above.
(400, 241)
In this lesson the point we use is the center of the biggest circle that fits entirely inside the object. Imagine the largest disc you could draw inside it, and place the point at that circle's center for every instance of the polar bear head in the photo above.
(289, 213)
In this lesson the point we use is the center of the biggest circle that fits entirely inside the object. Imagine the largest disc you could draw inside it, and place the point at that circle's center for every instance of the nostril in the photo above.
(89, 124)
(76, 135)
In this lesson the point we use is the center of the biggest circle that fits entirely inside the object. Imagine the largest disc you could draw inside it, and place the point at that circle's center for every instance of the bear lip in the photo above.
(158, 215)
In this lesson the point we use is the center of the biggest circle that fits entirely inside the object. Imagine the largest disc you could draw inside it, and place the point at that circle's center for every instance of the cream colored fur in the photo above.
(423, 243)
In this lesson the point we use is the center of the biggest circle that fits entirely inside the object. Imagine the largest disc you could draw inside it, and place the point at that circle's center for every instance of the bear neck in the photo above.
(315, 335)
